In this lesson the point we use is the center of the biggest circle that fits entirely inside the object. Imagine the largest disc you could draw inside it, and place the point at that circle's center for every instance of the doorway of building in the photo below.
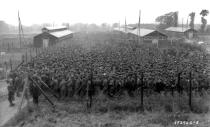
(45, 43)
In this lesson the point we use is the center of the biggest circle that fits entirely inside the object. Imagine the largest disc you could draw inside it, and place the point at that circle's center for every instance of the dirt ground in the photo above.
(3, 88)
(7, 112)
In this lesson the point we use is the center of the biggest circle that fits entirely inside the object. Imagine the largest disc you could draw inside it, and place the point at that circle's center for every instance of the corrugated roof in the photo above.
(55, 28)
(62, 33)
(122, 29)
(143, 32)
(177, 29)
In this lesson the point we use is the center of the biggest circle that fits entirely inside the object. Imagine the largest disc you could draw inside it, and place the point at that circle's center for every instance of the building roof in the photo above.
(55, 28)
(177, 29)
(62, 33)
(143, 32)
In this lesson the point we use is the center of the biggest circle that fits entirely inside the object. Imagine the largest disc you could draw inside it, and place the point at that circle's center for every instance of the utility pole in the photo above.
(19, 29)
(182, 24)
(139, 25)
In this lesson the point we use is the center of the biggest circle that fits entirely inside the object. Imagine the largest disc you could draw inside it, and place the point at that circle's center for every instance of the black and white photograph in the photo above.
(105, 63)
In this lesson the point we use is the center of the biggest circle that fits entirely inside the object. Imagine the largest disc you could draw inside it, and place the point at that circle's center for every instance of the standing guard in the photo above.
(11, 92)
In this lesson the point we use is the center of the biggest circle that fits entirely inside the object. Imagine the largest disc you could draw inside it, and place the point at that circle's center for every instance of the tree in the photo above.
(167, 20)
(203, 13)
(192, 18)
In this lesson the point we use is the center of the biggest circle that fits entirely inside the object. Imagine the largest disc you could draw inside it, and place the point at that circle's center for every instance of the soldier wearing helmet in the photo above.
(11, 91)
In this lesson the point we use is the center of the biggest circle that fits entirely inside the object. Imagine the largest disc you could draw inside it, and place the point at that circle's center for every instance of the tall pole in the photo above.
(187, 22)
(125, 25)
(125, 29)
(19, 29)
(119, 25)
(139, 25)
(182, 24)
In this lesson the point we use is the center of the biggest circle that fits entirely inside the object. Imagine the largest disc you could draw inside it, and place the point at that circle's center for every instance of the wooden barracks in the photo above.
(51, 36)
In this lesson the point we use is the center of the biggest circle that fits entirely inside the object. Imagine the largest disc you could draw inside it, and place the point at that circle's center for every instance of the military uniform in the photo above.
(63, 88)
(70, 88)
(11, 92)
(18, 85)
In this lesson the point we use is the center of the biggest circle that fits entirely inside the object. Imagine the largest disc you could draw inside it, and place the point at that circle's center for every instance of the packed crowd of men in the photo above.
(110, 69)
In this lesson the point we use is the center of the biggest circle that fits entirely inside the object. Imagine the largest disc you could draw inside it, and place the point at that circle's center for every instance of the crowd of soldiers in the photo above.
(19, 83)
(75, 71)
(106, 68)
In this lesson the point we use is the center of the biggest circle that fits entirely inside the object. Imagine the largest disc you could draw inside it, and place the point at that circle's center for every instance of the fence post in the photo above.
(23, 57)
(10, 64)
(30, 55)
(5, 63)
(190, 90)
(36, 51)
(26, 57)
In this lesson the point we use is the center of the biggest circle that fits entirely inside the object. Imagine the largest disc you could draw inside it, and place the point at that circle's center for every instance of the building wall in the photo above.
(191, 34)
(38, 40)
(155, 37)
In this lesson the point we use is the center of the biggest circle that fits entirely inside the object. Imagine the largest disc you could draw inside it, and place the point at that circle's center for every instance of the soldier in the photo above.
(34, 91)
(78, 85)
(11, 92)
(55, 84)
(105, 85)
(30, 89)
(82, 90)
(89, 93)
(63, 87)
(18, 85)
(110, 87)
(70, 87)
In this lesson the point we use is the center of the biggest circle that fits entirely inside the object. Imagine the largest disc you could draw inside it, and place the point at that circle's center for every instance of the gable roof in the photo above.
(55, 28)
(178, 29)
(60, 34)
(57, 34)
(143, 32)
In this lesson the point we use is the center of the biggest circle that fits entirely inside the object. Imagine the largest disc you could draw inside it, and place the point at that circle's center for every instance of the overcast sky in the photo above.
(96, 11)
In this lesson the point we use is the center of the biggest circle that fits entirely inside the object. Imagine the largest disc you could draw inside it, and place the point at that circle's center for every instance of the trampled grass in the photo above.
(160, 110)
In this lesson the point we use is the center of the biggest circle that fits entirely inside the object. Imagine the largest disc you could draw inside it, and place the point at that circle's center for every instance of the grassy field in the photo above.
(118, 112)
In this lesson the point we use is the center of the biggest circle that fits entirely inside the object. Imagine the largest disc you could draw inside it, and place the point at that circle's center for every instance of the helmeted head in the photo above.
(9, 80)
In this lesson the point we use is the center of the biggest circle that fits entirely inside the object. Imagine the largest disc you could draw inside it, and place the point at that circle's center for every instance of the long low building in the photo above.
(181, 33)
(51, 36)
(146, 35)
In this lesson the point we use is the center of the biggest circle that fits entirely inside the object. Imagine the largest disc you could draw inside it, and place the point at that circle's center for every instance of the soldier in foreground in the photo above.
(11, 92)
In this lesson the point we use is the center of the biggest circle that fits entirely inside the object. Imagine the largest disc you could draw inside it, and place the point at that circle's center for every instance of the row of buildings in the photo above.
(52, 35)
(164, 36)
